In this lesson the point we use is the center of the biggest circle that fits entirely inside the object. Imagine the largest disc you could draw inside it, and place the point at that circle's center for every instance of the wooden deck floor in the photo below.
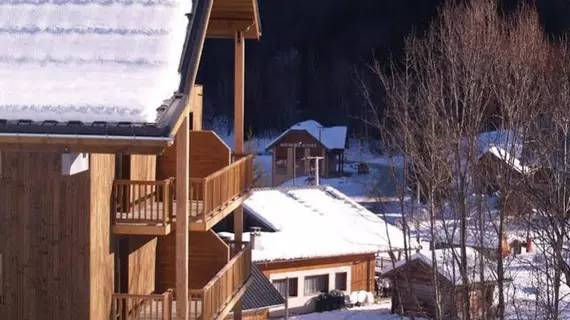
(156, 213)
(155, 312)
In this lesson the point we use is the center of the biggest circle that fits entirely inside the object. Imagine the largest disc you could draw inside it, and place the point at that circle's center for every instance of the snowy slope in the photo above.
(89, 60)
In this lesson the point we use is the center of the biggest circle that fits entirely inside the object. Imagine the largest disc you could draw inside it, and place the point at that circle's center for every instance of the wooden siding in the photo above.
(414, 293)
(229, 16)
(142, 264)
(208, 154)
(208, 255)
(362, 268)
(54, 235)
(143, 167)
(102, 286)
(196, 105)
(258, 314)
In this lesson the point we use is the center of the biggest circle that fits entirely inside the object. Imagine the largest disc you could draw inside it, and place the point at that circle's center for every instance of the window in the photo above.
(293, 284)
(281, 286)
(340, 281)
(316, 284)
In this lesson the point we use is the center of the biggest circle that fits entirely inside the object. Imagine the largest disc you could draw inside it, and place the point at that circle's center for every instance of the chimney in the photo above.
(255, 238)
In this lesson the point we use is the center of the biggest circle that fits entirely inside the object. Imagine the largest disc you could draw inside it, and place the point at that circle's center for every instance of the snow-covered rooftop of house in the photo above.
(447, 262)
(505, 145)
(89, 60)
(311, 222)
(330, 137)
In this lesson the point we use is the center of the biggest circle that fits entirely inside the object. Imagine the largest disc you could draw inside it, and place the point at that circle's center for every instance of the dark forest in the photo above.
(312, 54)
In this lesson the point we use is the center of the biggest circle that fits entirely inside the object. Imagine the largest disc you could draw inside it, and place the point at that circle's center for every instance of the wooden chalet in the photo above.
(336, 246)
(103, 214)
(497, 170)
(293, 147)
(413, 290)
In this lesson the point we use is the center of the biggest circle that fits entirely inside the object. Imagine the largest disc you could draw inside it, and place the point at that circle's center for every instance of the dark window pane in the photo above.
(340, 281)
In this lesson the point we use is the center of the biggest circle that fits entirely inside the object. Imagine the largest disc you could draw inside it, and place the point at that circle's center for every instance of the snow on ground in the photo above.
(380, 311)
(89, 60)
(365, 189)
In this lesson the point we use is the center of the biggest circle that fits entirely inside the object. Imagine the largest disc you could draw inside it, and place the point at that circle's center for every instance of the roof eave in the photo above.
(173, 116)
(87, 144)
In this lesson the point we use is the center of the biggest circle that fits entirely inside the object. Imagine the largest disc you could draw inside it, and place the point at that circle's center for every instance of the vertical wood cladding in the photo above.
(45, 237)
(102, 281)
(208, 255)
(141, 260)
(208, 154)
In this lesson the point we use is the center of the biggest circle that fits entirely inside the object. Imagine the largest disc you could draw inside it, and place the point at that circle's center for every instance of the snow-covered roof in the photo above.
(330, 137)
(311, 222)
(89, 60)
(447, 262)
(506, 145)
(508, 158)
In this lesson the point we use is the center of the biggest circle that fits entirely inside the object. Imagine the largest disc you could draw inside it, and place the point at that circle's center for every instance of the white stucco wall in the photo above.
(301, 303)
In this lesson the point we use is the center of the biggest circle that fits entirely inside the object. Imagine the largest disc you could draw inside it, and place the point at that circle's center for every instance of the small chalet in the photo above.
(413, 290)
(497, 167)
(317, 239)
(303, 140)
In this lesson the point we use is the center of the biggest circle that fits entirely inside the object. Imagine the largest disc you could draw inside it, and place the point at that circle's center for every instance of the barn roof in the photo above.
(260, 293)
(330, 137)
(447, 264)
(315, 222)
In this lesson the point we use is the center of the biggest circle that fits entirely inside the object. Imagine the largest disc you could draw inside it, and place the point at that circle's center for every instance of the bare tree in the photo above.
(474, 69)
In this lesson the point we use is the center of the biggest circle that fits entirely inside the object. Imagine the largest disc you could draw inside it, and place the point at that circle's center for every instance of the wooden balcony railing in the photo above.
(143, 202)
(214, 192)
(208, 302)
(142, 307)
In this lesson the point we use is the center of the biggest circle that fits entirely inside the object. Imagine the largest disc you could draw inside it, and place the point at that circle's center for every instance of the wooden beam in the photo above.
(235, 299)
(239, 91)
(182, 234)
(94, 145)
(142, 230)
(227, 28)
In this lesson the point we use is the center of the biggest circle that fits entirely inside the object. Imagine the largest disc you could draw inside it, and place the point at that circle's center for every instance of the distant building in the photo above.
(414, 290)
(307, 139)
(317, 238)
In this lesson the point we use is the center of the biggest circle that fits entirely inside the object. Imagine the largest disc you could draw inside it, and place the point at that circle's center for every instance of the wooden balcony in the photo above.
(217, 298)
(143, 207)
(212, 198)
(149, 207)
(214, 301)
(143, 307)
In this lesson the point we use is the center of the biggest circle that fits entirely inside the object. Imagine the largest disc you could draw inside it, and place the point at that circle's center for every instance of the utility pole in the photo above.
(287, 298)
(295, 145)
(317, 177)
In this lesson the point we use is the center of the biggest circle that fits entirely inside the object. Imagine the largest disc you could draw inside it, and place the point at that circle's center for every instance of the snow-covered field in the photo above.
(379, 311)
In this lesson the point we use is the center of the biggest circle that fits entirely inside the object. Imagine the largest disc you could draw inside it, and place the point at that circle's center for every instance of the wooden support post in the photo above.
(182, 228)
(239, 92)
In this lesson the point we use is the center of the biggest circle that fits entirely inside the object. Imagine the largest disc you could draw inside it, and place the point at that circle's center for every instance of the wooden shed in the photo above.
(293, 147)
(413, 290)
